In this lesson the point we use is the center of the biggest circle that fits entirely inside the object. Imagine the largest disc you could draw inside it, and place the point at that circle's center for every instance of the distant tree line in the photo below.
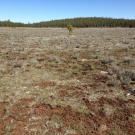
(8, 23)
(76, 22)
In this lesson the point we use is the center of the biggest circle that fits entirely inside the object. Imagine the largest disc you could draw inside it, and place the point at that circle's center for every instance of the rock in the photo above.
(103, 73)
(128, 94)
(103, 128)
(39, 66)
(84, 60)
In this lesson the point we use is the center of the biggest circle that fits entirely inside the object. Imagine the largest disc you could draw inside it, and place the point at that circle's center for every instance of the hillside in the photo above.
(76, 22)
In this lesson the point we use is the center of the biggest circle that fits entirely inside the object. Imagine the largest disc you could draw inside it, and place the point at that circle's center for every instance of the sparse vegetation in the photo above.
(54, 84)
(70, 28)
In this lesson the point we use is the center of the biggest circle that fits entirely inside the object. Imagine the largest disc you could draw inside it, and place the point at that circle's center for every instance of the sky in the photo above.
(43, 10)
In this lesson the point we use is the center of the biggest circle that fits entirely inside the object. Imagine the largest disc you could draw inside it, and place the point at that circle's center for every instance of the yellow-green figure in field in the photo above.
(70, 29)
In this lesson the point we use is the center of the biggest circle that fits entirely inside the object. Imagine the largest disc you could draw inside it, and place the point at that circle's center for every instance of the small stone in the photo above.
(27, 92)
(24, 87)
(128, 94)
(39, 66)
(103, 128)
(78, 81)
(36, 87)
(103, 73)
(84, 60)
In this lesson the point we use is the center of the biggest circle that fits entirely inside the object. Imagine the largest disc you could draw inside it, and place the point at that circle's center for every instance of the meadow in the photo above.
(53, 83)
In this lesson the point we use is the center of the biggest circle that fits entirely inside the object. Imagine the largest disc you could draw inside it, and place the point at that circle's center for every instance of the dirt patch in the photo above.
(45, 84)
(2, 109)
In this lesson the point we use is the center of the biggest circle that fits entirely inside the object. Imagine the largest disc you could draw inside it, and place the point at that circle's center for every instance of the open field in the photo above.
(55, 84)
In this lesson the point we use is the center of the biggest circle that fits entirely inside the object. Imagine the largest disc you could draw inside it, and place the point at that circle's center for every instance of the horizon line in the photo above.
(65, 19)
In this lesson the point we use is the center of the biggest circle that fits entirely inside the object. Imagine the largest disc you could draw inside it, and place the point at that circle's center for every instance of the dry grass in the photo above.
(53, 83)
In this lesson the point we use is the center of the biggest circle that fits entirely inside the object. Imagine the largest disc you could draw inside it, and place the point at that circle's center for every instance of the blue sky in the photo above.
(42, 10)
